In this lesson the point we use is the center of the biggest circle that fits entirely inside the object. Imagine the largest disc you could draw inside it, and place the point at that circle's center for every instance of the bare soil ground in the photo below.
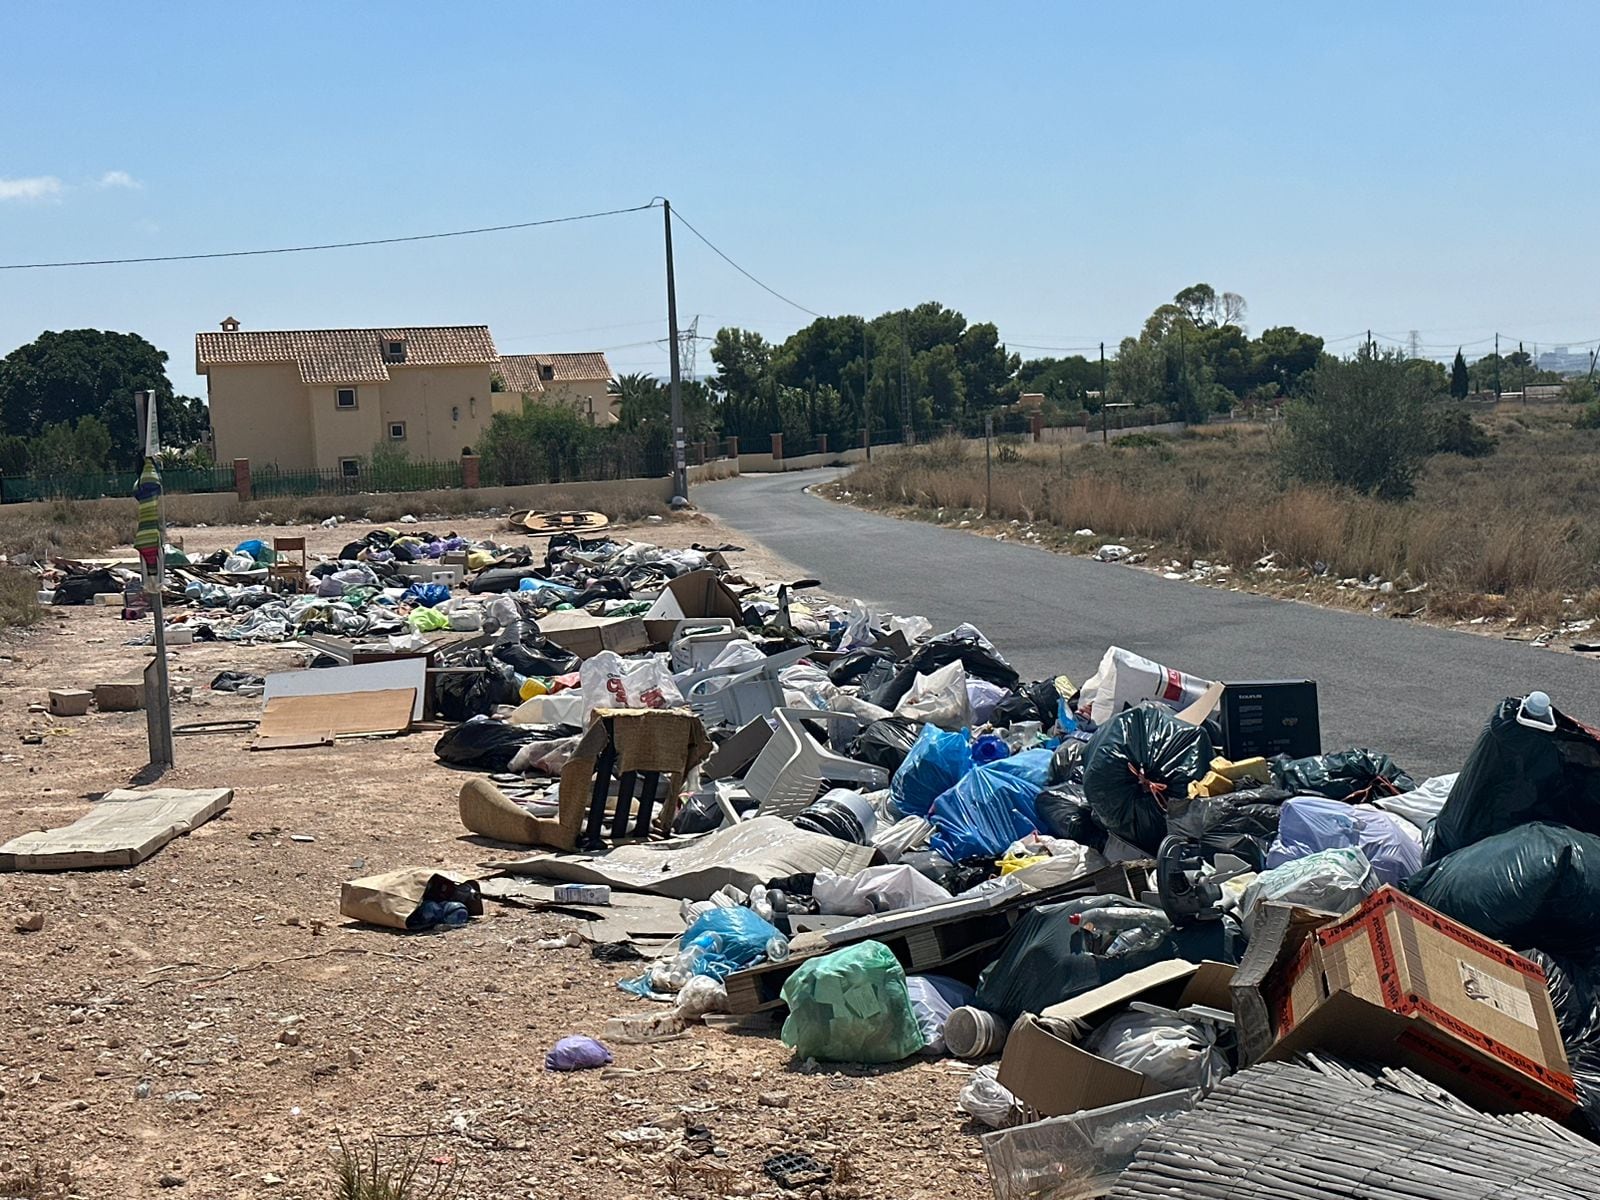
(186, 973)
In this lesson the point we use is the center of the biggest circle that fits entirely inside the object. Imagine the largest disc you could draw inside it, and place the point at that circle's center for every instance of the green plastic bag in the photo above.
(427, 620)
(851, 1006)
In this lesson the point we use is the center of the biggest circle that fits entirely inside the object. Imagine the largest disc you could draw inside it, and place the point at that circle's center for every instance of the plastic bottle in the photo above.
(777, 948)
(433, 912)
(1536, 712)
(1121, 929)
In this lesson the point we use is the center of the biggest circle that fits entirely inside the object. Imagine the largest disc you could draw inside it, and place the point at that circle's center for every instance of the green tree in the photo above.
(1065, 383)
(63, 449)
(1459, 384)
(60, 378)
(14, 456)
(1285, 356)
(640, 398)
(1362, 424)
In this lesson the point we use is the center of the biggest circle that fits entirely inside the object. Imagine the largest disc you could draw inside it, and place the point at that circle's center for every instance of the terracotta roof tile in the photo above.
(575, 368)
(346, 355)
(520, 372)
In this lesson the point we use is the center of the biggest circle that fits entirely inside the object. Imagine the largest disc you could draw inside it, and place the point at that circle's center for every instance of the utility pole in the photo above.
(1497, 367)
(866, 388)
(151, 543)
(1104, 395)
(680, 468)
(1369, 343)
(1522, 366)
(908, 432)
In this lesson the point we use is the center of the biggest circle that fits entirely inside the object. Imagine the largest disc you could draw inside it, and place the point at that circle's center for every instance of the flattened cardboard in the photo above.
(121, 829)
(311, 720)
(587, 636)
(1052, 1077)
(1397, 983)
(387, 675)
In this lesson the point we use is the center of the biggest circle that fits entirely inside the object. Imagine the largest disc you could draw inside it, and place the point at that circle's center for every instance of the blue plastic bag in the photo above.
(1030, 766)
(985, 812)
(731, 938)
(936, 762)
(429, 595)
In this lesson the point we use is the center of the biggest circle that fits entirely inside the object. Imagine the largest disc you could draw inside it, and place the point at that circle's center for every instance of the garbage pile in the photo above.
(1136, 898)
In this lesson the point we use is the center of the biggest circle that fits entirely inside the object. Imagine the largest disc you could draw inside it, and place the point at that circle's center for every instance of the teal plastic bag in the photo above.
(851, 1006)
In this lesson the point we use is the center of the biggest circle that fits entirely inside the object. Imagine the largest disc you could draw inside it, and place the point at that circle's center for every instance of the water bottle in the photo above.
(777, 948)
(1120, 929)
(453, 912)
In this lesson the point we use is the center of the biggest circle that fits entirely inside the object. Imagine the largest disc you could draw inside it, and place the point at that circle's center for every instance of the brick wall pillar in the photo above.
(777, 446)
(733, 447)
(822, 443)
(469, 470)
(1038, 427)
(241, 477)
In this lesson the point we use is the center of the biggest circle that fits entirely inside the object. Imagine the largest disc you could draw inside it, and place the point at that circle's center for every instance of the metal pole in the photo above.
(988, 464)
(680, 469)
(1497, 367)
(158, 706)
(866, 387)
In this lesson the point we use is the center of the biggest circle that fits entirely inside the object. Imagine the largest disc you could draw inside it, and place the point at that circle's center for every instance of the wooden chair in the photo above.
(288, 562)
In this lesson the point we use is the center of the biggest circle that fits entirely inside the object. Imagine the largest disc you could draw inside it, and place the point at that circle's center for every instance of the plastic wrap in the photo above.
(1138, 761)
(933, 999)
(987, 810)
(936, 762)
(1310, 824)
(1167, 1050)
(1078, 1156)
(851, 1006)
(1353, 775)
(1536, 885)
(1334, 881)
(1516, 774)
(987, 1101)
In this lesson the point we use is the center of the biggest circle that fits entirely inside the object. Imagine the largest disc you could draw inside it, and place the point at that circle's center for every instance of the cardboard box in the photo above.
(1051, 1076)
(697, 594)
(586, 636)
(1271, 717)
(119, 697)
(1396, 983)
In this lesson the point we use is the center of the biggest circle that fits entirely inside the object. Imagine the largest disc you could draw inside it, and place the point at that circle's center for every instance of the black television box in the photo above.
(1270, 717)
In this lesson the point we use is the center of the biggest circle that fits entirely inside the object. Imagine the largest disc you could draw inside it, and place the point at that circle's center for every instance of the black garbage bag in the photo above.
(1240, 823)
(1064, 813)
(501, 579)
(1353, 775)
(232, 681)
(963, 644)
(701, 813)
(82, 589)
(1535, 885)
(1516, 774)
(1574, 986)
(1139, 760)
(535, 655)
(886, 743)
(1015, 709)
(487, 744)
(460, 697)
(1066, 763)
(856, 664)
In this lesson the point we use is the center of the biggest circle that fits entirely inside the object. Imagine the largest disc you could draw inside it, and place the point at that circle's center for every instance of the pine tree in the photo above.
(1458, 377)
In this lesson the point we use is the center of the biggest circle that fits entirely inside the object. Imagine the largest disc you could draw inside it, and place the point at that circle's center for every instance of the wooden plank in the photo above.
(387, 675)
(317, 717)
(121, 829)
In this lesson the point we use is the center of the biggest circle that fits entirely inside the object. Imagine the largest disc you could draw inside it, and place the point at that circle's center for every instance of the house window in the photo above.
(345, 398)
(546, 372)
(472, 405)
(350, 467)
(394, 351)
(397, 431)
(455, 412)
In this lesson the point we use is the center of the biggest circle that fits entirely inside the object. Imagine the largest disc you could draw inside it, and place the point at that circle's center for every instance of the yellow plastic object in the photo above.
(1253, 769)
(534, 686)
(1015, 862)
(1212, 785)
(477, 560)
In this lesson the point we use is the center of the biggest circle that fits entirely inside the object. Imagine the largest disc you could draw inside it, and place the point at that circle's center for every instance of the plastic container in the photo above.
(990, 748)
(1117, 929)
(843, 814)
(533, 686)
(974, 1032)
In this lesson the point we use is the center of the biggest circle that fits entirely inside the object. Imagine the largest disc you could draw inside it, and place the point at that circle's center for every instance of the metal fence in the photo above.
(14, 489)
(267, 482)
(553, 464)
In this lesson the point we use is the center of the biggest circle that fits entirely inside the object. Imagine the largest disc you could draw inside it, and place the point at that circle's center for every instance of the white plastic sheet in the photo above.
(939, 698)
(1421, 805)
(1163, 1047)
(875, 890)
(1334, 881)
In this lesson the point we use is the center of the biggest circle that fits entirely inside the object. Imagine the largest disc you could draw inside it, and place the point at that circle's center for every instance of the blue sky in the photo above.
(1059, 169)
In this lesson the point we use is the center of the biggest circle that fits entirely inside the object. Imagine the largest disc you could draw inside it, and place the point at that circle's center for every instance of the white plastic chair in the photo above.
(787, 775)
(699, 642)
(739, 694)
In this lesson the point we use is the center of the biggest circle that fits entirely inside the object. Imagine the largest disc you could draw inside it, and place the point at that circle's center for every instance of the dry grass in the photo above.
(19, 601)
(382, 1171)
(1507, 535)
(67, 528)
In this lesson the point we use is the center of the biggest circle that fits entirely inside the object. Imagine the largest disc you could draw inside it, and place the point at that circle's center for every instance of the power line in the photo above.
(389, 241)
(678, 216)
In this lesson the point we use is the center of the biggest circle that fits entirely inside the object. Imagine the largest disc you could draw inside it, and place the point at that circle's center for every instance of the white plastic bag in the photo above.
(610, 681)
(933, 999)
(982, 699)
(858, 631)
(986, 1101)
(915, 628)
(1126, 678)
(1163, 1047)
(1421, 805)
(875, 890)
(939, 699)
(1334, 881)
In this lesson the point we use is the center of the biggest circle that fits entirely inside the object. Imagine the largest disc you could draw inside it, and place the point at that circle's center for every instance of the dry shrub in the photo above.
(1508, 525)
(67, 528)
(19, 601)
(387, 1172)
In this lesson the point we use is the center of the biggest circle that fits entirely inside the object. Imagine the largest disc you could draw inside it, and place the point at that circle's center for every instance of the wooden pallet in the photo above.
(937, 941)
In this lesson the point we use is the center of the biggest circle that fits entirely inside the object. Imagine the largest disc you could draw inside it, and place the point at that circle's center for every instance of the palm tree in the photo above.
(640, 398)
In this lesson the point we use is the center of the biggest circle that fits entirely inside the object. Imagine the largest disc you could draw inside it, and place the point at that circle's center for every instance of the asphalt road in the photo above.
(1419, 693)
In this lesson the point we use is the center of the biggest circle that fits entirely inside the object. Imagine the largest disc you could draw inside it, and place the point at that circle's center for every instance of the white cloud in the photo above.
(118, 179)
(35, 187)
